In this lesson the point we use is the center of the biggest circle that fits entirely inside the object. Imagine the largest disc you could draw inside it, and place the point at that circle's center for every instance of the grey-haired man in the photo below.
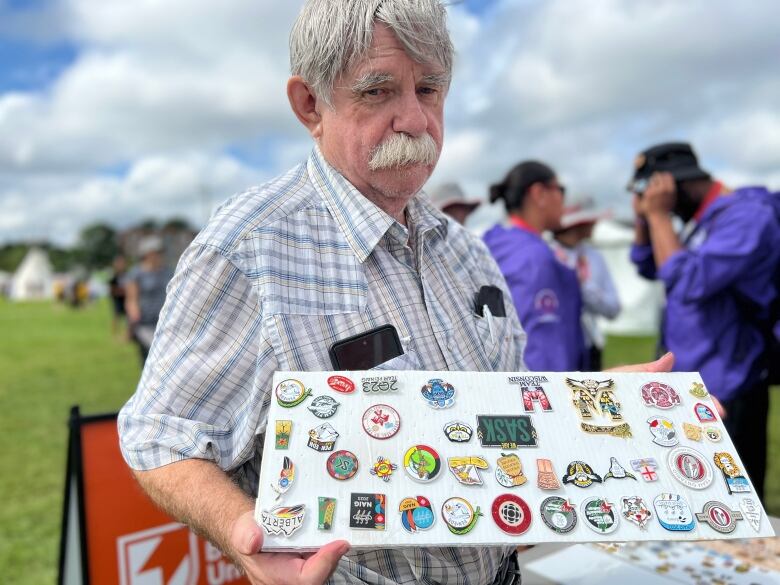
(335, 247)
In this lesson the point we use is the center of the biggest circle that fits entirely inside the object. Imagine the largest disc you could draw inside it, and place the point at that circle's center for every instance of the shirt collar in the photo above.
(361, 221)
(523, 225)
(708, 200)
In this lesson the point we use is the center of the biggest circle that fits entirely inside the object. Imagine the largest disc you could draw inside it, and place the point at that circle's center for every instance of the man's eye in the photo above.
(374, 92)
(428, 90)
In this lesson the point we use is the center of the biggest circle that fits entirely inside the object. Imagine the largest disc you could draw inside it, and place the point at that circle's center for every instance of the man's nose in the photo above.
(409, 116)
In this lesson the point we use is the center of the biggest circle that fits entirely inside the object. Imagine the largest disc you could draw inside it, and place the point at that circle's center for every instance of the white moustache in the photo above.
(401, 150)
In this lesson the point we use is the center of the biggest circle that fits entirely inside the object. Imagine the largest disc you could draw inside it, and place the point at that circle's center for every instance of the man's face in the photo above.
(385, 94)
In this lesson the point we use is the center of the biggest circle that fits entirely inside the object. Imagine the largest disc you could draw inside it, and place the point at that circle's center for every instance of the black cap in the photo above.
(676, 158)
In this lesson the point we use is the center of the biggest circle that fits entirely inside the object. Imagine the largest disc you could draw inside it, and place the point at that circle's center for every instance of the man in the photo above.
(546, 293)
(450, 199)
(721, 279)
(335, 247)
(572, 246)
(145, 293)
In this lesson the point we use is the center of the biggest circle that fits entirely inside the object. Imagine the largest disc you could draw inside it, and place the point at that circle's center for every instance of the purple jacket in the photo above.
(719, 288)
(546, 295)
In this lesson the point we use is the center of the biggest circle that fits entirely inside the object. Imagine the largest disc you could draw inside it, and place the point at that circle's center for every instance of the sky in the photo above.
(115, 111)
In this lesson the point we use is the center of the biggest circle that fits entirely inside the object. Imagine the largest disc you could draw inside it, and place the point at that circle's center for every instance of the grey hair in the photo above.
(330, 36)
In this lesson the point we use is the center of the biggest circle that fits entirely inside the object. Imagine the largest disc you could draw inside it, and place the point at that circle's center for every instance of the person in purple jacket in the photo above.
(545, 292)
(721, 280)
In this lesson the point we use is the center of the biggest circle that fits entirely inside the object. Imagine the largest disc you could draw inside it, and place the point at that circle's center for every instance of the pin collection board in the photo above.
(625, 457)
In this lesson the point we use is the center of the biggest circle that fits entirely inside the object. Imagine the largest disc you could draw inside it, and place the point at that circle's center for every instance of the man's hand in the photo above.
(664, 364)
(246, 539)
(660, 195)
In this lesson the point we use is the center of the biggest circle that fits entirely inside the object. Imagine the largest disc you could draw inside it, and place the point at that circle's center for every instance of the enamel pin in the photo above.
(692, 432)
(506, 431)
(660, 395)
(617, 471)
(690, 468)
(381, 421)
(416, 514)
(719, 516)
(459, 516)
(327, 509)
(732, 474)
(367, 511)
(545, 475)
(635, 510)
(531, 391)
(586, 395)
(751, 511)
(673, 512)
(509, 471)
(342, 465)
(704, 413)
(438, 393)
(713, 434)
(600, 515)
(698, 390)
(558, 514)
(581, 474)
(466, 469)
(291, 393)
(323, 437)
(646, 468)
(323, 407)
(663, 431)
(422, 463)
(380, 384)
(283, 520)
(383, 469)
(283, 430)
(458, 432)
(511, 514)
(341, 384)
(286, 478)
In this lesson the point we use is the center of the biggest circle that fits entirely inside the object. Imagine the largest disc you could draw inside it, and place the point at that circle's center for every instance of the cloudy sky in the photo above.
(117, 111)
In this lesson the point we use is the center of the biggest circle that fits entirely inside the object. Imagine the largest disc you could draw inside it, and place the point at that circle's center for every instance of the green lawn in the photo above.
(52, 357)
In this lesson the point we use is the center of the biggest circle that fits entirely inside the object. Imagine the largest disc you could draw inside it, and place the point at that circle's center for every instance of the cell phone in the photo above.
(366, 350)
(493, 298)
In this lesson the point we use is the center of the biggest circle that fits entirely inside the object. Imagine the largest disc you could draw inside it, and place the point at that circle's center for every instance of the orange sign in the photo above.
(128, 540)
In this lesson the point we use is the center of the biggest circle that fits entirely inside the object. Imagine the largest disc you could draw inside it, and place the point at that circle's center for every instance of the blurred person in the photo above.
(145, 293)
(572, 246)
(721, 280)
(335, 247)
(449, 198)
(546, 293)
(116, 292)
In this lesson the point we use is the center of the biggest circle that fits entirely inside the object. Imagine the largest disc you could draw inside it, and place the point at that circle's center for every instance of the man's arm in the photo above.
(132, 308)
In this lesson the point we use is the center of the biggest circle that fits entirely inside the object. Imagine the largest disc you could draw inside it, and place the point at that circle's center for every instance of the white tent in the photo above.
(33, 280)
(642, 300)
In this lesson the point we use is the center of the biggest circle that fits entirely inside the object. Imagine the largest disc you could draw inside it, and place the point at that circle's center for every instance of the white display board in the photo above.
(425, 408)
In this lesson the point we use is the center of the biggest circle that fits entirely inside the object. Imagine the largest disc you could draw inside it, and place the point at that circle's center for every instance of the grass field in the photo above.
(52, 357)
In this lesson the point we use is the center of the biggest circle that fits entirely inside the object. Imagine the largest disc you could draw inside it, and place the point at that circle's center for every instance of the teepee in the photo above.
(33, 279)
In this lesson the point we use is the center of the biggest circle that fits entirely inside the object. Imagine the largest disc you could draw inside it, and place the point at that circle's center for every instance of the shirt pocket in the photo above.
(495, 338)
(406, 361)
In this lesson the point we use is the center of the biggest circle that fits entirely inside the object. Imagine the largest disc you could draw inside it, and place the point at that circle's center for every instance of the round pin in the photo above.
(416, 514)
(438, 393)
(660, 395)
(558, 514)
(323, 406)
(719, 517)
(690, 468)
(511, 514)
(341, 384)
(342, 465)
(459, 516)
(600, 515)
(422, 463)
(381, 421)
(291, 393)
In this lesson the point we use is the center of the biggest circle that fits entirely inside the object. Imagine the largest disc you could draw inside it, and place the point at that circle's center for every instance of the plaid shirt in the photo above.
(281, 272)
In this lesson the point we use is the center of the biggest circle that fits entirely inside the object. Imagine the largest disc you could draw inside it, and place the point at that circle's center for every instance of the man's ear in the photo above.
(304, 104)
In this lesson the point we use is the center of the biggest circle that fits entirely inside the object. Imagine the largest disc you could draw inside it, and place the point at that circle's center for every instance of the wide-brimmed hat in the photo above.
(148, 245)
(451, 194)
(676, 158)
(581, 210)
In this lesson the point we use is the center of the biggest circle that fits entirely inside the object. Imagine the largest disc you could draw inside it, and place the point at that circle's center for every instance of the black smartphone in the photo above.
(493, 298)
(366, 350)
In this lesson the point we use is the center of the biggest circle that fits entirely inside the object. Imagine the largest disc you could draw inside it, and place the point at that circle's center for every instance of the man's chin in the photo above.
(404, 180)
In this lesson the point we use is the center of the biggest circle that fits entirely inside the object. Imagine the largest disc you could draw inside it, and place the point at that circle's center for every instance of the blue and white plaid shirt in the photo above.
(281, 272)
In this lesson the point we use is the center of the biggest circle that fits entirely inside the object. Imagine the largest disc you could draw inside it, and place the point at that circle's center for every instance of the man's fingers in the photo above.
(321, 564)
(246, 538)
(662, 364)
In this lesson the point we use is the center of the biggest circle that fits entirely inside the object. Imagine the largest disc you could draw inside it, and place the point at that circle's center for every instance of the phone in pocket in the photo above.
(366, 350)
